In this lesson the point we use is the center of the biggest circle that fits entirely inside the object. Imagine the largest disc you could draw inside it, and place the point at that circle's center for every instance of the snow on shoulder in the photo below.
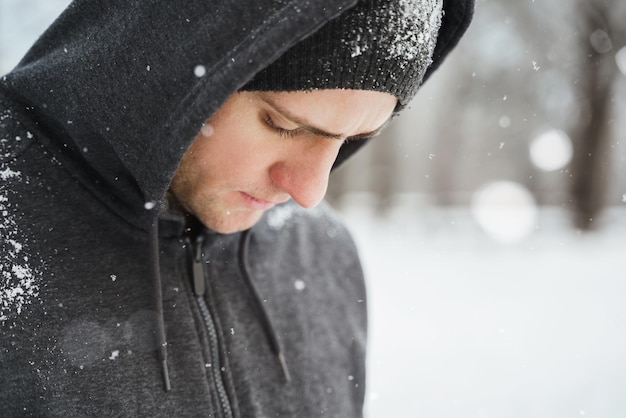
(18, 284)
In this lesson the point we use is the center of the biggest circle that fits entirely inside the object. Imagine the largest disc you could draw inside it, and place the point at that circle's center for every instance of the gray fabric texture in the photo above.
(93, 123)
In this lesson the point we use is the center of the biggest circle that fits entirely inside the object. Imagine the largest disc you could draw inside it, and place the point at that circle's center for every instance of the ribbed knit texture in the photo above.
(380, 45)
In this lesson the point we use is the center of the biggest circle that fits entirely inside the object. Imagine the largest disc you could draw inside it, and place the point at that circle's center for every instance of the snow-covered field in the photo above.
(463, 326)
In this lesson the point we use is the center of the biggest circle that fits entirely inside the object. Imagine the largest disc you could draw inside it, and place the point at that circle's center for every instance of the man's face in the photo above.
(263, 148)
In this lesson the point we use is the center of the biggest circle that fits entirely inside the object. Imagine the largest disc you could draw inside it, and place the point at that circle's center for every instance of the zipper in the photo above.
(199, 288)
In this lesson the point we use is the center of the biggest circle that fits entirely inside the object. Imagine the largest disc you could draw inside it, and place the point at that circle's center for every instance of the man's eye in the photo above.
(287, 133)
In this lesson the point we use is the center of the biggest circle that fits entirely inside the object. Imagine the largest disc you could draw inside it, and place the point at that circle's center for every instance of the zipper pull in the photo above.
(198, 267)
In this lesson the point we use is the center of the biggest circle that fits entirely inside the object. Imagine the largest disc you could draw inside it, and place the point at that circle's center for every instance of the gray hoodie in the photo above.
(113, 303)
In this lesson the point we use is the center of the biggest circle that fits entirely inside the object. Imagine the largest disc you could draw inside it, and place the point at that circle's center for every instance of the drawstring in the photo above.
(158, 299)
(265, 318)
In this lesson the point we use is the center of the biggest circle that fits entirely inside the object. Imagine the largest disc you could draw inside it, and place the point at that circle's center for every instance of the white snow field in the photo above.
(462, 325)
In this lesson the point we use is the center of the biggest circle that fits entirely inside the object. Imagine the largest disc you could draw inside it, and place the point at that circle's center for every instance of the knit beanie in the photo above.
(380, 45)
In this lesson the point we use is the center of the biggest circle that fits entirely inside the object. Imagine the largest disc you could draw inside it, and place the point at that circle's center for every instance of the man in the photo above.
(155, 156)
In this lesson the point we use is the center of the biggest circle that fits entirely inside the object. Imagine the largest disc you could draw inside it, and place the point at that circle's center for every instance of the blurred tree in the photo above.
(526, 67)
(601, 25)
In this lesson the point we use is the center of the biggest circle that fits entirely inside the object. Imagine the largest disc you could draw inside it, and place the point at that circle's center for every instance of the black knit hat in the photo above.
(380, 45)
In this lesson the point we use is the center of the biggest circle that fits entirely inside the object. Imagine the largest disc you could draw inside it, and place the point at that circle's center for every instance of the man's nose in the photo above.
(304, 175)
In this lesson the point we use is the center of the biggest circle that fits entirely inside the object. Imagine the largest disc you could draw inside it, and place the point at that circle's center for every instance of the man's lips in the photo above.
(256, 203)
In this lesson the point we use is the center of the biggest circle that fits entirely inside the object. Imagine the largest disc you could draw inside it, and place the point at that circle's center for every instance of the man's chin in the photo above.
(232, 223)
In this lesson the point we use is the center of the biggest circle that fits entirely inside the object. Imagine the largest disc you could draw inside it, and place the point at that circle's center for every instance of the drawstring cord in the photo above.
(158, 299)
(265, 318)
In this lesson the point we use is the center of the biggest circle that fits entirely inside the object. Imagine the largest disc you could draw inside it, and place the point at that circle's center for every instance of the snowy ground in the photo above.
(462, 326)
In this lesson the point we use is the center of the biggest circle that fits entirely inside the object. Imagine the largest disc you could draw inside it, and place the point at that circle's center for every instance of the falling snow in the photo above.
(505, 210)
(300, 285)
(207, 130)
(504, 122)
(199, 71)
(551, 150)
(600, 41)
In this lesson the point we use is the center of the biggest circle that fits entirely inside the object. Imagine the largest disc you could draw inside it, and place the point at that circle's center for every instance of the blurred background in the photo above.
(490, 216)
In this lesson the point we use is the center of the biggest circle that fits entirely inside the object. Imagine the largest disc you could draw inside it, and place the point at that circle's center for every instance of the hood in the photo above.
(122, 87)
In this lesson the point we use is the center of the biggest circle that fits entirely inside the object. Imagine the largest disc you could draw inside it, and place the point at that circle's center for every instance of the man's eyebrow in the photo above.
(317, 131)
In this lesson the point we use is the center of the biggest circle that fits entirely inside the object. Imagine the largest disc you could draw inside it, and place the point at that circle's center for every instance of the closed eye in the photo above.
(286, 133)
(290, 133)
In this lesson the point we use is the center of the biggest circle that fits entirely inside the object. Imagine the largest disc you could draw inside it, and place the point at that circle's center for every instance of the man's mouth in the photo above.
(256, 203)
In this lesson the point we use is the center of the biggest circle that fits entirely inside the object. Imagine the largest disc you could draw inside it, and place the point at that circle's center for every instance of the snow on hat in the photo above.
(380, 45)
